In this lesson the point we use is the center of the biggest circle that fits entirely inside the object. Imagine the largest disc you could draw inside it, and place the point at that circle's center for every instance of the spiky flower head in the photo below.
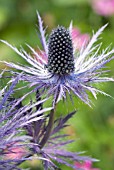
(17, 147)
(62, 69)
(54, 149)
(14, 140)
(60, 52)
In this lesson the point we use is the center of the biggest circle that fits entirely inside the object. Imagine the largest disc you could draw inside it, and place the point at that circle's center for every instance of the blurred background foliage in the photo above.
(92, 127)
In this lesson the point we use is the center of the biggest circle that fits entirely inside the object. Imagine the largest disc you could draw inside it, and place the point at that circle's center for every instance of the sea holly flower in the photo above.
(54, 150)
(24, 132)
(13, 124)
(62, 69)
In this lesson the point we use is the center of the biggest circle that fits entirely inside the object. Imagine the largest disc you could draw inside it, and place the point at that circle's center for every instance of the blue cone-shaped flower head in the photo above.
(60, 52)
(61, 69)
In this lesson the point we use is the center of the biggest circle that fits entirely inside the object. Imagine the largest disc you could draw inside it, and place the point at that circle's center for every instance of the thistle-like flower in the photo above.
(25, 131)
(54, 149)
(62, 69)
(13, 122)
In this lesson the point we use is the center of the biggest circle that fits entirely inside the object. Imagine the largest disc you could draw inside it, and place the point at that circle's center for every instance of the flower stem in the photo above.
(48, 129)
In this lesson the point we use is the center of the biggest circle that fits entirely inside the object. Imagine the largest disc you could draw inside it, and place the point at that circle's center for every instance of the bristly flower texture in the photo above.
(24, 130)
(14, 141)
(62, 69)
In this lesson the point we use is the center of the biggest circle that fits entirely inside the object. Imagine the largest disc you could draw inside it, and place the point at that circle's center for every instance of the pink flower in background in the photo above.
(103, 7)
(42, 55)
(87, 165)
(79, 40)
(15, 152)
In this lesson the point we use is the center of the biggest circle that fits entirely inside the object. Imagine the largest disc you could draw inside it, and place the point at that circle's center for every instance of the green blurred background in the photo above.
(93, 127)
